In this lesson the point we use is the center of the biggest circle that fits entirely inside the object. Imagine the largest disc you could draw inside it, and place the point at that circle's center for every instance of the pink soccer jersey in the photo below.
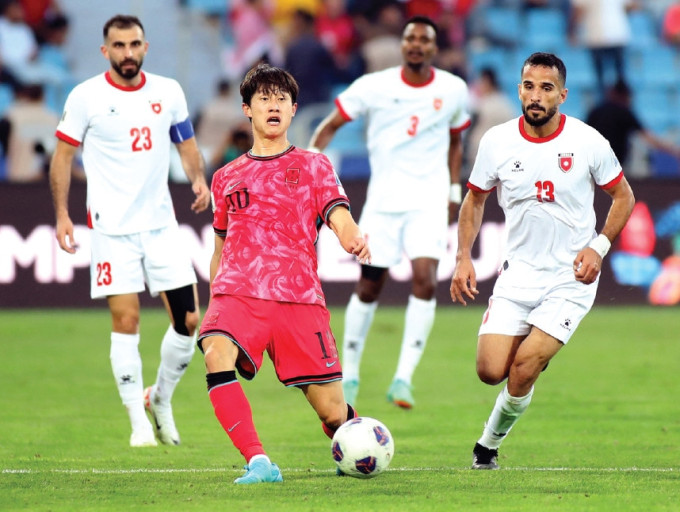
(270, 210)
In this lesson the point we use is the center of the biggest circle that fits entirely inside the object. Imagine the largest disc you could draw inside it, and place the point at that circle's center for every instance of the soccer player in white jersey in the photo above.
(545, 167)
(415, 115)
(125, 120)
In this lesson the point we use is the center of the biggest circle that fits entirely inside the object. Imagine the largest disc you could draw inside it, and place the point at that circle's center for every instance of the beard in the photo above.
(130, 72)
(538, 121)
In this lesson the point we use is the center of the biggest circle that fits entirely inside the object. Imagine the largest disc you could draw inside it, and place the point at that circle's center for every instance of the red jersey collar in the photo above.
(429, 81)
(137, 87)
(539, 140)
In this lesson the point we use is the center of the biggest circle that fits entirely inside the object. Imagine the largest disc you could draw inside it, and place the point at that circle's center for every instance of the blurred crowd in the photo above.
(325, 44)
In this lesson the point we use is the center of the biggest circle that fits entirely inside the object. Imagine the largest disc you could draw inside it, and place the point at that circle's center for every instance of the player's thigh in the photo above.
(426, 233)
(385, 236)
(167, 261)
(495, 356)
(303, 349)
(244, 322)
(115, 265)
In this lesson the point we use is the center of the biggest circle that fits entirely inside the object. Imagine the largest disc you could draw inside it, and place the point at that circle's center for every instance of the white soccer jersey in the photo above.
(546, 190)
(125, 132)
(408, 135)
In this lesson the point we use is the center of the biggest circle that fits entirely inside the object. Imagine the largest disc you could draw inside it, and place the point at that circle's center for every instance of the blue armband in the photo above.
(181, 131)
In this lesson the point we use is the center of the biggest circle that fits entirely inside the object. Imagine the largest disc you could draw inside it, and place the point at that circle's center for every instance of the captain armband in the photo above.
(600, 244)
(181, 131)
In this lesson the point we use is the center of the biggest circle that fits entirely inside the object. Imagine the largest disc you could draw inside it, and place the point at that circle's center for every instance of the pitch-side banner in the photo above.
(642, 267)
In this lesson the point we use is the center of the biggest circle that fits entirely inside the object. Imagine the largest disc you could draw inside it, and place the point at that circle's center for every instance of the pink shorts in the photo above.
(297, 337)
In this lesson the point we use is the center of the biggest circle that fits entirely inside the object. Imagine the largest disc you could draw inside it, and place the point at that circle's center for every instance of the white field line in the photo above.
(131, 471)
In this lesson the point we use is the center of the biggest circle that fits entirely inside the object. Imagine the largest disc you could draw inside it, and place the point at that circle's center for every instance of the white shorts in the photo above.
(556, 310)
(123, 264)
(418, 234)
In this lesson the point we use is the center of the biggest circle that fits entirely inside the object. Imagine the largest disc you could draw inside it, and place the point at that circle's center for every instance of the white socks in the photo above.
(505, 414)
(417, 326)
(176, 353)
(127, 370)
(358, 320)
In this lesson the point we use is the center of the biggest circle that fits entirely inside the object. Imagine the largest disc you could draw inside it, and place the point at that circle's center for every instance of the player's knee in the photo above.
(183, 309)
(333, 416)
(126, 323)
(490, 375)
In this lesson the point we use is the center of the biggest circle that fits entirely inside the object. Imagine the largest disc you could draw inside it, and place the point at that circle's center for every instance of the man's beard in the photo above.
(130, 72)
(541, 121)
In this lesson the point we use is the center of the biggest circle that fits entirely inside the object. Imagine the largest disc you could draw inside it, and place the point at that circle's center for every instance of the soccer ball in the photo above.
(362, 447)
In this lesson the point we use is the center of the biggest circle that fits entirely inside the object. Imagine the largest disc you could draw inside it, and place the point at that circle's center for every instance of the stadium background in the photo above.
(187, 42)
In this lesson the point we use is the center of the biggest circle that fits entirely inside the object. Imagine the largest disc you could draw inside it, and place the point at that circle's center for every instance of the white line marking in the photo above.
(316, 470)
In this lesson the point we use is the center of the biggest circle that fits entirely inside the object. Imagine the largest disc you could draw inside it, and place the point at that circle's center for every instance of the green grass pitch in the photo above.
(602, 432)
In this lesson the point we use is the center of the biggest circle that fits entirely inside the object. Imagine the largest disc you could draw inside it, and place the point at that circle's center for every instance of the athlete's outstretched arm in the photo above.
(194, 168)
(341, 222)
(60, 184)
(588, 262)
(464, 280)
(324, 133)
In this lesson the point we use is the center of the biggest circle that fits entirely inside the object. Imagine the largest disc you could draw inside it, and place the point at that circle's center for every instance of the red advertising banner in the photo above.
(642, 267)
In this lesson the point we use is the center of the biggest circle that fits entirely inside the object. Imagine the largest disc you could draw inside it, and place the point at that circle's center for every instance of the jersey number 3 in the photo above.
(141, 138)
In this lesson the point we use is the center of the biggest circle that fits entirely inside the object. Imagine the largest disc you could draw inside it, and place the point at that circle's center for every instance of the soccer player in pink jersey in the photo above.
(269, 205)
(545, 167)
(125, 120)
(415, 116)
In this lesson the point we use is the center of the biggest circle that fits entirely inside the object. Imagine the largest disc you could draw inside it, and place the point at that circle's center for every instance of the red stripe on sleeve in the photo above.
(67, 139)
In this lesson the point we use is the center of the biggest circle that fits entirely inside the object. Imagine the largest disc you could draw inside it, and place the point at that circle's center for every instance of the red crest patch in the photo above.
(292, 176)
(565, 161)
(438, 103)
(156, 107)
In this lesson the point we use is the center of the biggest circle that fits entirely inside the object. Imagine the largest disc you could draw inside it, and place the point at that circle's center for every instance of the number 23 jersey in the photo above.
(125, 137)
(546, 188)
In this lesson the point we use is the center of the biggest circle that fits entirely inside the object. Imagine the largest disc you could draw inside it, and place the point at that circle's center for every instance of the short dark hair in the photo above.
(549, 60)
(122, 21)
(268, 79)
(421, 19)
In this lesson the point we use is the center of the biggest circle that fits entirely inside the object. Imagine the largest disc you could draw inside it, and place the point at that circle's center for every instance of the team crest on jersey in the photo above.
(293, 176)
(156, 106)
(565, 161)
(438, 103)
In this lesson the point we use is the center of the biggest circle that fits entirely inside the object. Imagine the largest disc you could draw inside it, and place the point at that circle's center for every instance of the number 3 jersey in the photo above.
(125, 137)
(270, 209)
(546, 188)
(408, 135)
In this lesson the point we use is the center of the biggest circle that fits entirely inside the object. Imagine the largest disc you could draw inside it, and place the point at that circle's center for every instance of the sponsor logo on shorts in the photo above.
(566, 324)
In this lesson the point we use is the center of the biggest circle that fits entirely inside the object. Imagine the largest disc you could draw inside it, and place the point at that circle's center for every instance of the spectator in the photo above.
(19, 50)
(309, 61)
(216, 120)
(27, 135)
(617, 122)
(381, 30)
(254, 37)
(490, 106)
(671, 24)
(237, 142)
(336, 31)
(605, 30)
